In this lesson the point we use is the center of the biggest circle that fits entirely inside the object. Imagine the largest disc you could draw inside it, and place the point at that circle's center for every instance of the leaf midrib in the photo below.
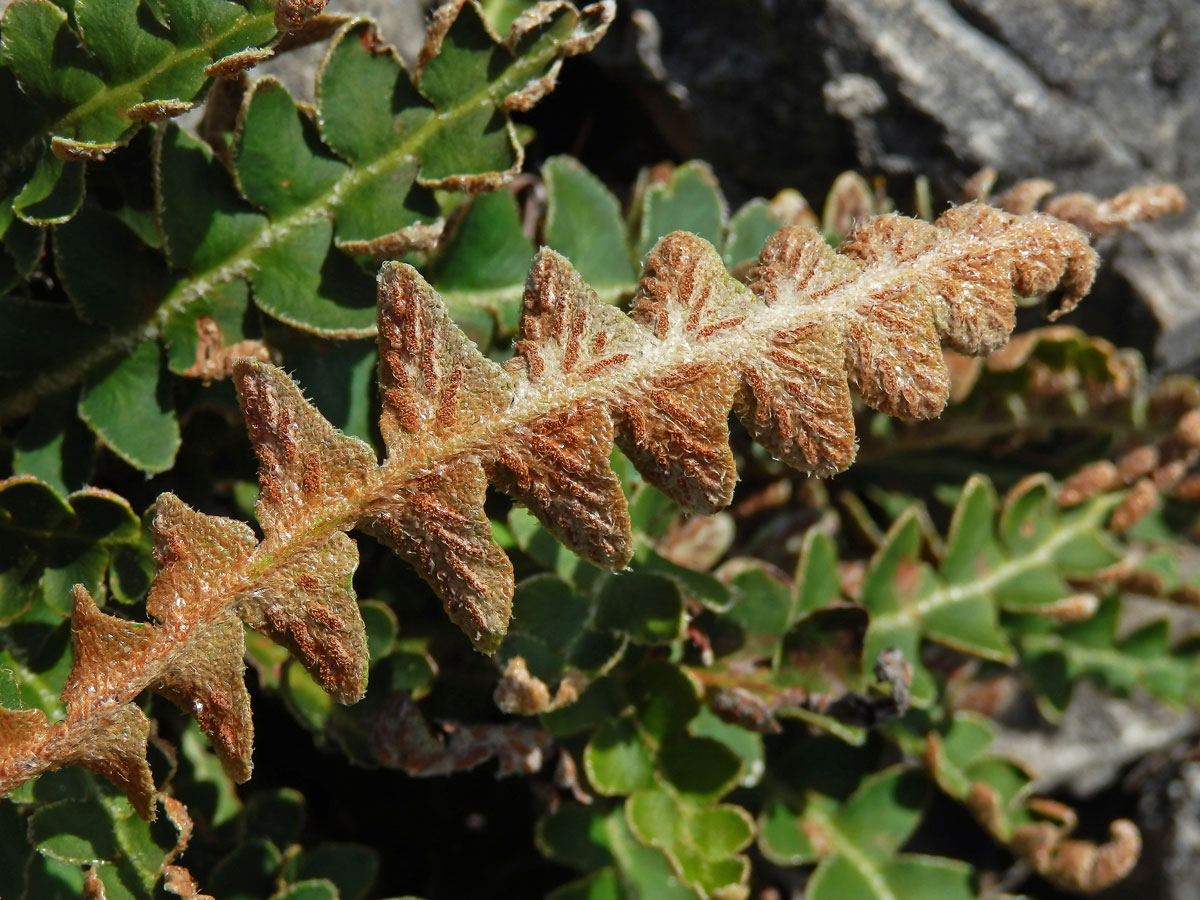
(111, 93)
(914, 614)
(241, 263)
(323, 204)
(846, 848)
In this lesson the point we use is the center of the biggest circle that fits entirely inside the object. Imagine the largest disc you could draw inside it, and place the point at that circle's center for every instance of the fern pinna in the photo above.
(782, 353)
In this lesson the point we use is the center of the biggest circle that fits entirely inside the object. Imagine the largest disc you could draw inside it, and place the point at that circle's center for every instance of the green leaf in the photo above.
(315, 889)
(649, 609)
(228, 305)
(373, 200)
(1143, 659)
(373, 195)
(24, 351)
(781, 836)
(745, 744)
(482, 267)
(278, 159)
(701, 842)
(749, 229)
(49, 879)
(382, 627)
(575, 835)
(553, 630)
(246, 873)
(637, 873)
(351, 867)
(53, 445)
(21, 247)
(763, 605)
(1019, 563)
(73, 831)
(341, 376)
(666, 700)
(698, 768)
(94, 78)
(616, 759)
(52, 543)
(583, 222)
(884, 811)
(203, 219)
(961, 764)
(112, 278)
(128, 405)
(305, 698)
(690, 200)
(54, 191)
(857, 841)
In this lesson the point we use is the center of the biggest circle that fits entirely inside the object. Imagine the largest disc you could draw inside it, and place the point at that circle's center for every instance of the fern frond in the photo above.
(1098, 217)
(91, 74)
(659, 383)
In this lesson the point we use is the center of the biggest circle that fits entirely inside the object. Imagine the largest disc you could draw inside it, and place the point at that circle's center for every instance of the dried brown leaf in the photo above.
(233, 65)
(293, 14)
(154, 110)
(402, 739)
(418, 236)
(1024, 196)
(521, 692)
(214, 360)
(1076, 865)
(1100, 217)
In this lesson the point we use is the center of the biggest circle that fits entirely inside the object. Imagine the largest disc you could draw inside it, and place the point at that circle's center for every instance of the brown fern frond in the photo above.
(782, 354)
(1098, 217)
